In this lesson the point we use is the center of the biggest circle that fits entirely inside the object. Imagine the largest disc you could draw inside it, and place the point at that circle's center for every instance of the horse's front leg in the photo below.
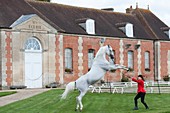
(121, 67)
(117, 66)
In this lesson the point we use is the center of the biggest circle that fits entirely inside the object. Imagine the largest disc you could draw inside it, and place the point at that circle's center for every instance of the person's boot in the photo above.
(135, 108)
(147, 107)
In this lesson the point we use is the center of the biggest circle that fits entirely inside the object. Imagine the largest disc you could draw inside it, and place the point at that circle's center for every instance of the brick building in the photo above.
(44, 42)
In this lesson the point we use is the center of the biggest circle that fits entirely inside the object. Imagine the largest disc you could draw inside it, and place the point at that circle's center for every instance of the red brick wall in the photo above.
(93, 43)
(68, 42)
(165, 46)
(71, 42)
(8, 59)
(135, 53)
(147, 46)
(89, 43)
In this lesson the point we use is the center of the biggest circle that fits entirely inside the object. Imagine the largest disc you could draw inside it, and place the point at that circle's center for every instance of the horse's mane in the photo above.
(100, 51)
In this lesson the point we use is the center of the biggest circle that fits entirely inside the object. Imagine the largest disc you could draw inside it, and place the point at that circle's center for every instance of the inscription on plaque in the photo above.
(34, 25)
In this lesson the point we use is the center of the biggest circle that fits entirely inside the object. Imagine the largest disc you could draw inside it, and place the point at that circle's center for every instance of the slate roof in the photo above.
(65, 19)
(22, 19)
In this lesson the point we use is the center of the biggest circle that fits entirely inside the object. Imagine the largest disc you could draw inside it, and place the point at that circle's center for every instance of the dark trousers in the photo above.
(142, 96)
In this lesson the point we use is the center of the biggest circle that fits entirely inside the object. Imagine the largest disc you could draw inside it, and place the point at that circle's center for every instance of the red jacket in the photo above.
(140, 85)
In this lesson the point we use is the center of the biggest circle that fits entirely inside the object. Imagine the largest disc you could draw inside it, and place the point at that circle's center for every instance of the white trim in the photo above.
(139, 58)
(39, 44)
(80, 56)
(61, 81)
(121, 49)
(129, 30)
(168, 62)
(90, 26)
(158, 60)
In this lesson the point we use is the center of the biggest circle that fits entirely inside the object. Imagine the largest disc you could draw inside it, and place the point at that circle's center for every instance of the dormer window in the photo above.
(126, 28)
(88, 25)
(166, 31)
(129, 29)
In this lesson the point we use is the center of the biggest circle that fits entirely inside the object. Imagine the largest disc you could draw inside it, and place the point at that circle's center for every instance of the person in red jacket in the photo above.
(140, 92)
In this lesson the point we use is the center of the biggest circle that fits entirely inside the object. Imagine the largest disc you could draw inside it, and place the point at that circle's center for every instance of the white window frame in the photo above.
(147, 60)
(90, 57)
(130, 59)
(32, 44)
(68, 58)
(90, 26)
(129, 30)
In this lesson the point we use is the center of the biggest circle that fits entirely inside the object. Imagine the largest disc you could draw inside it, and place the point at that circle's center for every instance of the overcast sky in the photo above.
(160, 8)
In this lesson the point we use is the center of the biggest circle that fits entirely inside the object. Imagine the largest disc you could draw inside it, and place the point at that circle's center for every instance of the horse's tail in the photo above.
(70, 87)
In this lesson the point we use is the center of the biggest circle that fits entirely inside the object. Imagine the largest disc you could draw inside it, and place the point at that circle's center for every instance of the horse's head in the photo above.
(109, 52)
(105, 50)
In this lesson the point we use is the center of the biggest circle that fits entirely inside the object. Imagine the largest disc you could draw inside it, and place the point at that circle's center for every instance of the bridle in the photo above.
(111, 56)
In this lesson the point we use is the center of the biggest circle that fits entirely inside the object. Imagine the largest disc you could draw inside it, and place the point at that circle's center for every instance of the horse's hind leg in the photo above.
(79, 100)
(77, 106)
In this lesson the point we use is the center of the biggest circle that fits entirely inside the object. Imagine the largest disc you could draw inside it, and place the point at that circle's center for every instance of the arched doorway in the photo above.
(33, 63)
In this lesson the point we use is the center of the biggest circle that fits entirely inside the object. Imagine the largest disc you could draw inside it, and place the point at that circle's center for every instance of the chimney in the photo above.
(148, 7)
(108, 9)
(129, 10)
(136, 5)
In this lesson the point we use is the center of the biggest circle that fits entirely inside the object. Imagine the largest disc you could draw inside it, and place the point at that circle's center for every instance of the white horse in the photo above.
(99, 67)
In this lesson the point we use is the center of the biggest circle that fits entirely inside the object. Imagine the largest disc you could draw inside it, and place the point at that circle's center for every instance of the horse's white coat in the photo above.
(99, 68)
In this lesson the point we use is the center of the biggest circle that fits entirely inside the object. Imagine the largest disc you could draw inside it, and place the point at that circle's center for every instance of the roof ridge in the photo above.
(94, 9)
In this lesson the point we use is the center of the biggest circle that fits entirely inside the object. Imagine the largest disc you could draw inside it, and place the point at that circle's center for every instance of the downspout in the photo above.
(155, 59)
(156, 78)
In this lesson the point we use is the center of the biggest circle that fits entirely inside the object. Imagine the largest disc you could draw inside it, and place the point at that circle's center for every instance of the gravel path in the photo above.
(20, 95)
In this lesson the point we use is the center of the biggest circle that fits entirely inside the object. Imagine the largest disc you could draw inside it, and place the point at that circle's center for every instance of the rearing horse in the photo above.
(99, 67)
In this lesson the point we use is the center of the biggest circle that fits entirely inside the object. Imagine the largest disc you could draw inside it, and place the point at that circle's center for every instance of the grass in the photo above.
(7, 93)
(49, 102)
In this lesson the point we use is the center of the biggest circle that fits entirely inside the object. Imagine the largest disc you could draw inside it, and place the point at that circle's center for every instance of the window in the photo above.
(147, 56)
(32, 44)
(130, 59)
(68, 59)
(88, 25)
(126, 28)
(167, 32)
(129, 30)
(90, 57)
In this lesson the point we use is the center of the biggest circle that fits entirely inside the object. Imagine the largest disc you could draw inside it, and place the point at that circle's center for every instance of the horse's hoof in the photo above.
(76, 109)
(80, 110)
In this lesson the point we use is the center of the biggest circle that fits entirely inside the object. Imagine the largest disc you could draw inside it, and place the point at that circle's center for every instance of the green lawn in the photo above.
(7, 93)
(49, 102)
